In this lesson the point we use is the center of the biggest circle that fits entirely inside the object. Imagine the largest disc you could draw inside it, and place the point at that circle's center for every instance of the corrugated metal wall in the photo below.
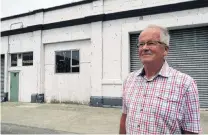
(2, 73)
(188, 53)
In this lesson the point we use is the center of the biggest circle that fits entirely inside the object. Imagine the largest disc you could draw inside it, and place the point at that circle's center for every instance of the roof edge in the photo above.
(48, 9)
(111, 16)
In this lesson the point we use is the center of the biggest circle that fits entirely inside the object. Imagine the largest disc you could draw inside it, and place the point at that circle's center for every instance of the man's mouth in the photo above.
(146, 54)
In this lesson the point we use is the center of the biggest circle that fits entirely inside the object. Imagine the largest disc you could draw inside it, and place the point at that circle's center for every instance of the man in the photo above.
(158, 99)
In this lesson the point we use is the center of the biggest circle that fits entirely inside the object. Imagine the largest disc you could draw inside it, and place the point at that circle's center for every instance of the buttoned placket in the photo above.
(142, 106)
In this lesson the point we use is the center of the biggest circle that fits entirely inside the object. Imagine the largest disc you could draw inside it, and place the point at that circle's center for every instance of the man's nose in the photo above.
(145, 47)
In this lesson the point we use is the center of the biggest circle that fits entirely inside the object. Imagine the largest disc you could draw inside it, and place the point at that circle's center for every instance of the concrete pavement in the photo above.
(63, 117)
(69, 118)
(7, 128)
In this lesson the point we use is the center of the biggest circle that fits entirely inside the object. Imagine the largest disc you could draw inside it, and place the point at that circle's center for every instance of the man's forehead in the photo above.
(153, 32)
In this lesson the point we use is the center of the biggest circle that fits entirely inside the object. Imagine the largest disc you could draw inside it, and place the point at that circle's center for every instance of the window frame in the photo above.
(11, 59)
(71, 66)
(23, 57)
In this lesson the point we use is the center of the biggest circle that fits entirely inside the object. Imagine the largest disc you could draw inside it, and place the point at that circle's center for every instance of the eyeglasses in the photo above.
(149, 43)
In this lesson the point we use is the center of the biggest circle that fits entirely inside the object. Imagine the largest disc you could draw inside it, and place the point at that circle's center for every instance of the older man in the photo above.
(158, 99)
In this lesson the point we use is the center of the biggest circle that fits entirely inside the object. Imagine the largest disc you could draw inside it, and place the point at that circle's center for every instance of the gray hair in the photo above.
(164, 34)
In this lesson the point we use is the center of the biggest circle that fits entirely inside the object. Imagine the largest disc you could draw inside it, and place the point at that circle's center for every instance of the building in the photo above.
(81, 52)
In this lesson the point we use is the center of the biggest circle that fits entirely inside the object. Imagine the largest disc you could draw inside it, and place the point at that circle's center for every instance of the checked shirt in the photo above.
(163, 105)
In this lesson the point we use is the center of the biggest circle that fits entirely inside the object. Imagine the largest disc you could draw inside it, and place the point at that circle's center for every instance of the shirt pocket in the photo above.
(168, 105)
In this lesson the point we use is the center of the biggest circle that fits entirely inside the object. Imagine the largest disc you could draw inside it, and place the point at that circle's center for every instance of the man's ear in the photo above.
(166, 50)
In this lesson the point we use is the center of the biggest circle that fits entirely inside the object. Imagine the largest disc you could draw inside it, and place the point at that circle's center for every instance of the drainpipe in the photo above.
(40, 69)
(42, 62)
(7, 60)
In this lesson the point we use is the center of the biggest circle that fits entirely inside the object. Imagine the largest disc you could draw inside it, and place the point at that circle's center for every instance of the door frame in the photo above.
(9, 83)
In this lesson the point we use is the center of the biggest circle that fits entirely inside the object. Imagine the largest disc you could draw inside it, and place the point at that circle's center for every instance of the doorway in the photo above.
(14, 86)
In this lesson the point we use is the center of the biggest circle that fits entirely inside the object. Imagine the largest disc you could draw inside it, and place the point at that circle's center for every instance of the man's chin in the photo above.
(146, 61)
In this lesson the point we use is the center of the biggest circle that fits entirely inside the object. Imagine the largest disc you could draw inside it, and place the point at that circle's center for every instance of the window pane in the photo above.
(75, 69)
(59, 62)
(75, 57)
(67, 57)
(27, 59)
(13, 60)
(63, 62)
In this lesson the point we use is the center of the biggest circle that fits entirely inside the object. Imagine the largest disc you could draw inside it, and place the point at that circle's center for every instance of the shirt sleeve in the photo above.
(124, 108)
(191, 112)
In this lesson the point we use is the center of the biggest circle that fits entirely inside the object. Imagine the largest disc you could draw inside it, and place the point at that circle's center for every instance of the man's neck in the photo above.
(151, 69)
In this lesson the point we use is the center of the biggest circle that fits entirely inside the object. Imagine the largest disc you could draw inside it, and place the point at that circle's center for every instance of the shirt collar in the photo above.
(164, 71)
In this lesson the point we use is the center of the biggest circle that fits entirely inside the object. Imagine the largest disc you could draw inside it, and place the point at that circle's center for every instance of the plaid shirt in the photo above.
(163, 105)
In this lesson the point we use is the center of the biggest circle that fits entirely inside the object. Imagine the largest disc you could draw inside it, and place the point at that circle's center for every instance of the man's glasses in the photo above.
(149, 43)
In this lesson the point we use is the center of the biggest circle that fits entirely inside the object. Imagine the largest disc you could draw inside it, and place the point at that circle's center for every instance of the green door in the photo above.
(14, 86)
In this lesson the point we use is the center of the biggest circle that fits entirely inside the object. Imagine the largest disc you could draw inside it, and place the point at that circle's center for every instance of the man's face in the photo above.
(153, 51)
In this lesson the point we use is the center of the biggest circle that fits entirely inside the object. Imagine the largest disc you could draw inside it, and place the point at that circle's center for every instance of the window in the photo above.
(27, 59)
(13, 60)
(67, 61)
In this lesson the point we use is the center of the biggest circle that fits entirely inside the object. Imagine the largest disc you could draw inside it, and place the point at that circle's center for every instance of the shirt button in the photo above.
(138, 126)
(141, 110)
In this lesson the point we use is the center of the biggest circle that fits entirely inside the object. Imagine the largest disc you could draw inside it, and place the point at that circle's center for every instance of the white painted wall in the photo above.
(72, 33)
(81, 11)
(64, 14)
(112, 56)
(22, 22)
(74, 12)
(4, 44)
(70, 13)
(24, 42)
(97, 58)
(68, 87)
(28, 75)
(111, 6)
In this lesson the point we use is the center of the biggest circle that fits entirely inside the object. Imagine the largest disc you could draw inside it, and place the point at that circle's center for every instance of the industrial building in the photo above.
(81, 52)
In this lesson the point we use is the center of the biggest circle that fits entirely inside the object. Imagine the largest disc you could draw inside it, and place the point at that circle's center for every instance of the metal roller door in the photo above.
(188, 53)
